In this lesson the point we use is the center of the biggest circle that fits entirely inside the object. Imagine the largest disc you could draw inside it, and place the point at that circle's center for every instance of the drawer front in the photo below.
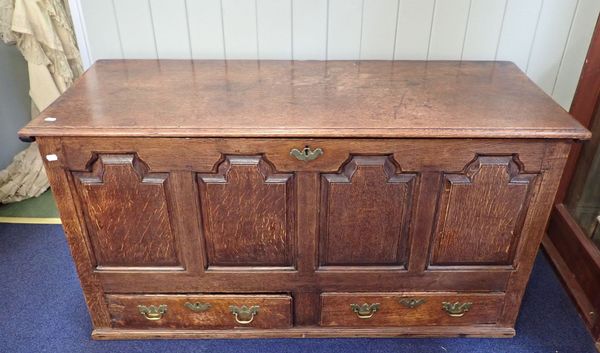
(200, 311)
(409, 309)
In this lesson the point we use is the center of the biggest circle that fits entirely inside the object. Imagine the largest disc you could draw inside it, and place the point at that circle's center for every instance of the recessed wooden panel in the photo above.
(365, 213)
(481, 212)
(248, 213)
(127, 213)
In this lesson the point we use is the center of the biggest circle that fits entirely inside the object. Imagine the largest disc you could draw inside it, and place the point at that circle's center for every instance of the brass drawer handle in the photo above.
(244, 315)
(411, 303)
(152, 312)
(306, 154)
(197, 307)
(456, 309)
(365, 311)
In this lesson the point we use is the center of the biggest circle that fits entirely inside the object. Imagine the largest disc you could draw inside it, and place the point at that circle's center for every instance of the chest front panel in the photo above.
(127, 212)
(247, 213)
(481, 212)
(247, 208)
(365, 213)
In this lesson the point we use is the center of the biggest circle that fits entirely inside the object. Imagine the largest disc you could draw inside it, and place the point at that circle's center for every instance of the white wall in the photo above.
(548, 39)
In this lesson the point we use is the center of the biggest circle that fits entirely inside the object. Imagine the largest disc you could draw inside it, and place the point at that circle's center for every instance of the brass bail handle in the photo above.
(365, 311)
(456, 309)
(244, 315)
(306, 154)
(152, 312)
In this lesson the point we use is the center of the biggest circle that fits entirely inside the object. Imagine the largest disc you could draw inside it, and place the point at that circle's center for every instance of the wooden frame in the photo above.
(575, 256)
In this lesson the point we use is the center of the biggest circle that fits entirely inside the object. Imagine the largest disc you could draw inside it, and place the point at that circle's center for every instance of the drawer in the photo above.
(409, 309)
(200, 311)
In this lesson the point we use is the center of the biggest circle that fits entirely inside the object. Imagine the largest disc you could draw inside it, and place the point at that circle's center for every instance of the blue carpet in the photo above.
(42, 310)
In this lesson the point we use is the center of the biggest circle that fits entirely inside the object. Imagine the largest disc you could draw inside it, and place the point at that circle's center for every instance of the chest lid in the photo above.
(404, 99)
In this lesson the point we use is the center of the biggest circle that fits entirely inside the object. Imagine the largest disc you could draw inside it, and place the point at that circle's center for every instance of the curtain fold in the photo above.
(43, 32)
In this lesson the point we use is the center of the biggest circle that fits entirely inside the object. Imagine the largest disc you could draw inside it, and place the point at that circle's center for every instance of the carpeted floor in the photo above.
(42, 310)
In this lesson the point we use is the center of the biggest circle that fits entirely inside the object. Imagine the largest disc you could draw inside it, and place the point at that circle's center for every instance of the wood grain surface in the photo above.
(203, 154)
(481, 213)
(127, 213)
(308, 332)
(365, 213)
(336, 310)
(305, 99)
(274, 311)
(248, 214)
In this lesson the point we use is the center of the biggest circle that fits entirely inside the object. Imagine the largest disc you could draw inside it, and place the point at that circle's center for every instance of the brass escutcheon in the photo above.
(365, 311)
(456, 309)
(244, 315)
(152, 312)
(306, 154)
(411, 303)
(197, 307)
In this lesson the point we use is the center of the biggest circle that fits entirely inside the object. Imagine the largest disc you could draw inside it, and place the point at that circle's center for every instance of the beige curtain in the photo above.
(43, 32)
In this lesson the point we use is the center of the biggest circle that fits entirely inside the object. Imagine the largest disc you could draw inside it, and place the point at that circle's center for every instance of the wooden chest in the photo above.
(303, 199)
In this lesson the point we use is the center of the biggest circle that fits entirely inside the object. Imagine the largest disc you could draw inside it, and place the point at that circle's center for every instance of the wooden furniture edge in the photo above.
(569, 282)
(554, 161)
(28, 134)
(565, 229)
(310, 332)
(75, 234)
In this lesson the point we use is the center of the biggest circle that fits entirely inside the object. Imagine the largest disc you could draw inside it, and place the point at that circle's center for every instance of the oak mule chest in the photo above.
(303, 199)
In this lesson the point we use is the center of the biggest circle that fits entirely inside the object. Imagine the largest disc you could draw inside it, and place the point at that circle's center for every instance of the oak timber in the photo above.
(303, 199)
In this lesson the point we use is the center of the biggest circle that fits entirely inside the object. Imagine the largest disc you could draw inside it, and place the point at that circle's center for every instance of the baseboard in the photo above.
(308, 332)
(30, 220)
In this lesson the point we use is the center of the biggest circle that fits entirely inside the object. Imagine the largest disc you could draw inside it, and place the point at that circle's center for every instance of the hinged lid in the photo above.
(305, 99)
